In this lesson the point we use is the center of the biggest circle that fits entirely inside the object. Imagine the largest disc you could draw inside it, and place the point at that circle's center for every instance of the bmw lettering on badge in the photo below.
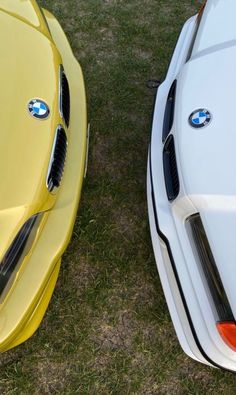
(200, 118)
(38, 109)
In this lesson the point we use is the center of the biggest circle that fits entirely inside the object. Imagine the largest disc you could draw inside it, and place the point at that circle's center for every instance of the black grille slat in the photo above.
(170, 169)
(58, 159)
(65, 98)
(169, 112)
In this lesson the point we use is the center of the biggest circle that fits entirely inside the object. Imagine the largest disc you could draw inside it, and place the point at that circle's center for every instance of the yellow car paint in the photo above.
(26, 143)
(24, 304)
(28, 11)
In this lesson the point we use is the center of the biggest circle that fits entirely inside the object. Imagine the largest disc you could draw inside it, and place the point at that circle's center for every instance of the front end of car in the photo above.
(191, 197)
(43, 156)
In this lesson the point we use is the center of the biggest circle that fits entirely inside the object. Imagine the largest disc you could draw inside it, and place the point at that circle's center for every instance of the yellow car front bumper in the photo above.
(23, 308)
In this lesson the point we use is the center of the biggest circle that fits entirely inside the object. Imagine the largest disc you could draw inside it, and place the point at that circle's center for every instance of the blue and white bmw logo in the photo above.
(200, 118)
(38, 109)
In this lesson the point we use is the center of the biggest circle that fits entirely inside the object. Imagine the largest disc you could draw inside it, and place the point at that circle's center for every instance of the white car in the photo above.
(191, 185)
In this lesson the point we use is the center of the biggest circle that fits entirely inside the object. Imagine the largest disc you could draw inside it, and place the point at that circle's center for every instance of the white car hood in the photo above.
(217, 26)
(206, 157)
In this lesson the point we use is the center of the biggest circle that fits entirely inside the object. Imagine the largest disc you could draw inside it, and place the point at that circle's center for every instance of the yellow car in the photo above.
(42, 161)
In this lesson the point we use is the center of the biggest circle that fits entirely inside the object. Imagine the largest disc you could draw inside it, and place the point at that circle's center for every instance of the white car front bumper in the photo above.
(171, 283)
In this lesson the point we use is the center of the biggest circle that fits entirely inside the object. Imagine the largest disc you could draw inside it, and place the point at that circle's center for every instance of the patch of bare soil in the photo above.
(117, 336)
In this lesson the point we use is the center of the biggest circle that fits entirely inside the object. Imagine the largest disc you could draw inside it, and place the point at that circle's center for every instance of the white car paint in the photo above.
(206, 164)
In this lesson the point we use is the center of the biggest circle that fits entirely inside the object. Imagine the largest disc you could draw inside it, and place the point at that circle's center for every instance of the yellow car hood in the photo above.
(26, 10)
(29, 69)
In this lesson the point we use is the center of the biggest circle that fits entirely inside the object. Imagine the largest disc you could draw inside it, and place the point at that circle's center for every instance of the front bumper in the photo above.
(171, 283)
(23, 309)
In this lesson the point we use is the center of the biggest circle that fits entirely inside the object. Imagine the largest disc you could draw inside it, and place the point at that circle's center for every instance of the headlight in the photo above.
(18, 250)
(208, 268)
(225, 321)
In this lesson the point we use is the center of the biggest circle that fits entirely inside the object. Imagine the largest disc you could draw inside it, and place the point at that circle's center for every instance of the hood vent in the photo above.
(170, 169)
(64, 97)
(57, 161)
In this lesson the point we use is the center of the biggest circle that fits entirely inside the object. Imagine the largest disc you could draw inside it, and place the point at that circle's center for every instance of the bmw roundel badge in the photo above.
(200, 118)
(38, 109)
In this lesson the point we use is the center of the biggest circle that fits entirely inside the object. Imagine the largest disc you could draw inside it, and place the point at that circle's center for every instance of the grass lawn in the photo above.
(107, 329)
